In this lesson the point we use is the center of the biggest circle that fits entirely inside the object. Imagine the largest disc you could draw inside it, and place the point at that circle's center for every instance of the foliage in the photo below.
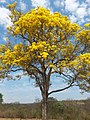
(1, 98)
(48, 43)
(52, 99)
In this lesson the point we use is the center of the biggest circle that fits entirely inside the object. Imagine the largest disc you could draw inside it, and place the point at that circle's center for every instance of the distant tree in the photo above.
(52, 99)
(17, 102)
(88, 98)
(37, 100)
(48, 44)
(1, 98)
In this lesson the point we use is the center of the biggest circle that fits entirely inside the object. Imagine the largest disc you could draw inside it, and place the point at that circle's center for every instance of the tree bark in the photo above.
(45, 107)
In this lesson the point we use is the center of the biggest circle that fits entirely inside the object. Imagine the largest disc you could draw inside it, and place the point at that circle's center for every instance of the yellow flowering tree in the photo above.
(47, 44)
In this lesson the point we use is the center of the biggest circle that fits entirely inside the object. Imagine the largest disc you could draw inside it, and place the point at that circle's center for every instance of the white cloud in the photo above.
(82, 20)
(22, 5)
(88, 11)
(73, 18)
(71, 5)
(88, 1)
(81, 12)
(2, 1)
(4, 17)
(57, 3)
(84, 5)
(43, 3)
(14, 91)
(62, 3)
(88, 19)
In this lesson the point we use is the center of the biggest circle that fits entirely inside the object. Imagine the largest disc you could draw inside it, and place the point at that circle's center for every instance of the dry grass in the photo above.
(20, 119)
(17, 119)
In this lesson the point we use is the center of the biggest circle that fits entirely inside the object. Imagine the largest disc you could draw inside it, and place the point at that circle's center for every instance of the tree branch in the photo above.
(39, 83)
(17, 70)
(54, 91)
(24, 37)
(36, 78)
(70, 85)
(59, 61)
(85, 47)
(37, 69)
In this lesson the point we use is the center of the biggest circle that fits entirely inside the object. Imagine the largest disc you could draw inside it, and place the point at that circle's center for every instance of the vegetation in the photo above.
(59, 110)
(1, 98)
(47, 44)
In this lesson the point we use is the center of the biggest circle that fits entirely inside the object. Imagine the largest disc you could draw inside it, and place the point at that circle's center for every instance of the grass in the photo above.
(17, 119)
(20, 119)
(59, 110)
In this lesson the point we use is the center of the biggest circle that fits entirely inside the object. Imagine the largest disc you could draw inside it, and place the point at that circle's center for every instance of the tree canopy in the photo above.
(48, 43)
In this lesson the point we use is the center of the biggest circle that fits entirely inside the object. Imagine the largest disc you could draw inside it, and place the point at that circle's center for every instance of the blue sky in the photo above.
(24, 90)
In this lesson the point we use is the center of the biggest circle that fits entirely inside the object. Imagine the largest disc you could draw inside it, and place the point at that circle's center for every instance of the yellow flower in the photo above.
(44, 55)
(17, 30)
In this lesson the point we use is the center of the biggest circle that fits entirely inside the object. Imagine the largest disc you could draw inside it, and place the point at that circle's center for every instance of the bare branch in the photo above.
(24, 37)
(17, 70)
(85, 47)
(59, 61)
(37, 69)
(39, 83)
(70, 85)
(36, 78)
(49, 73)
(54, 91)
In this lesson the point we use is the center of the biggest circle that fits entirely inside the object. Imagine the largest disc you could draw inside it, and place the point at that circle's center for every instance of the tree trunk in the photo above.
(44, 92)
(45, 107)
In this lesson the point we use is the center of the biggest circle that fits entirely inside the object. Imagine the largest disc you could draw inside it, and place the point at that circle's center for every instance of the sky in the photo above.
(24, 90)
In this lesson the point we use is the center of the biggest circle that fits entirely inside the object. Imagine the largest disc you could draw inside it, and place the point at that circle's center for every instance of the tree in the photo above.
(1, 98)
(52, 99)
(47, 44)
